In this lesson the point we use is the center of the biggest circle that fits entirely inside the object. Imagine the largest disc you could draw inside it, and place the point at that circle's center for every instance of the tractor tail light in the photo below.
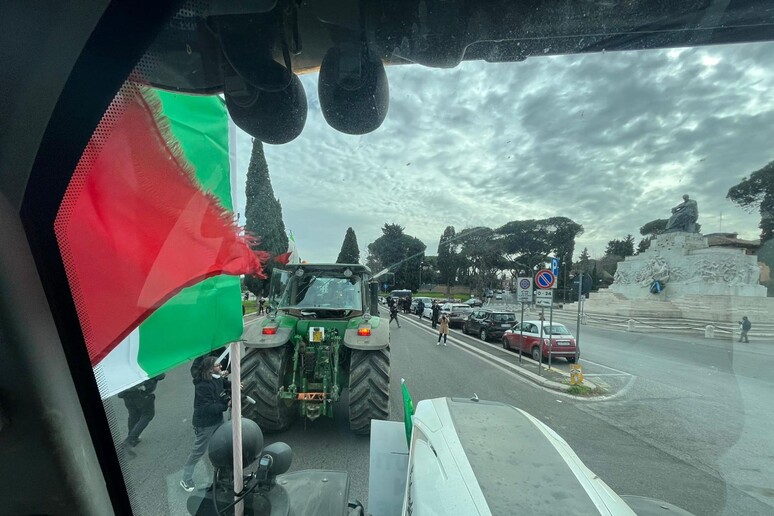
(269, 330)
(364, 331)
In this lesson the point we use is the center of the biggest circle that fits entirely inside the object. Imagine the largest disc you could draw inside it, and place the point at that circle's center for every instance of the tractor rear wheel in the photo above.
(263, 373)
(369, 388)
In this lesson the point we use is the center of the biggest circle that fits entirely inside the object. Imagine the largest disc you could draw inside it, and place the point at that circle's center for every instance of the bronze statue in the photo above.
(684, 217)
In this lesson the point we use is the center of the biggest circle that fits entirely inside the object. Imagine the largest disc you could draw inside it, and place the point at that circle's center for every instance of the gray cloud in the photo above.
(610, 140)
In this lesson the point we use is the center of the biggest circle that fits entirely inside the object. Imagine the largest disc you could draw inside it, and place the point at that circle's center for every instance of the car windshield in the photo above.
(503, 318)
(604, 169)
(320, 289)
(556, 329)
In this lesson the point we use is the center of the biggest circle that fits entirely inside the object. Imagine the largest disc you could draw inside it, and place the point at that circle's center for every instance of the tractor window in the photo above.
(316, 290)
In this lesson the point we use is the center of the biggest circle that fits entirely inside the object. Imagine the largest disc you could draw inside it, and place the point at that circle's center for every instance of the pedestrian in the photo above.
(140, 402)
(745, 326)
(394, 313)
(210, 401)
(421, 308)
(436, 309)
(443, 330)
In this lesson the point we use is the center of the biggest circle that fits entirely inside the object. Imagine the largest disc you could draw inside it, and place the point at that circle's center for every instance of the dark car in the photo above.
(488, 323)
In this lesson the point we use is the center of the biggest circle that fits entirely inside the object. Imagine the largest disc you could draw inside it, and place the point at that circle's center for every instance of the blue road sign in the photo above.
(544, 279)
(555, 266)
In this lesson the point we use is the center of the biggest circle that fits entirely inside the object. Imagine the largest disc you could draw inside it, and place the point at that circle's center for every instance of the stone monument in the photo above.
(694, 280)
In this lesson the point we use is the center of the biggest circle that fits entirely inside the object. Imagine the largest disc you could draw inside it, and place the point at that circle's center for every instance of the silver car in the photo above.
(457, 313)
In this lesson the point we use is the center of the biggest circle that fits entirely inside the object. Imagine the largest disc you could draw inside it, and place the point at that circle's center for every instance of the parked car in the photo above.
(488, 323)
(474, 302)
(499, 295)
(456, 312)
(557, 340)
(415, 303)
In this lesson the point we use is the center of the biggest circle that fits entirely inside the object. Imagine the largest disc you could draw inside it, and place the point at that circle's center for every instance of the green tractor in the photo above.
(323, 335)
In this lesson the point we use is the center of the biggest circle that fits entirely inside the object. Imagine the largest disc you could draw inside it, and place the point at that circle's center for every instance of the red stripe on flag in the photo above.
(134, 227)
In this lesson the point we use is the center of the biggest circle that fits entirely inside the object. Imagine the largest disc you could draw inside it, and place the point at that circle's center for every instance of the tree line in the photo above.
(479, 256)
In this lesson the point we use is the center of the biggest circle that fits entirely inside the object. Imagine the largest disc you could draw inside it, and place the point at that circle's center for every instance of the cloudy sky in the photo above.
(609, 140)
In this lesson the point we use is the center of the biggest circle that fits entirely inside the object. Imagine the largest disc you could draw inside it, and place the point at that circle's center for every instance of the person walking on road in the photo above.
(745, 326)
(443, 331)
(436, 309)
(210, 393)
(140, 403)
(393, 312)
(421, 308)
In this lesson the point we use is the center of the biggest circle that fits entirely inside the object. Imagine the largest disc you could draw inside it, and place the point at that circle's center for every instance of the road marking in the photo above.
(606, 374)
(474, 349)
(606, 367)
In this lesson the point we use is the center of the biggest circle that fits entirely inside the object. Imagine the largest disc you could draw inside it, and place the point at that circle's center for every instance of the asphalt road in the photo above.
(684, 420)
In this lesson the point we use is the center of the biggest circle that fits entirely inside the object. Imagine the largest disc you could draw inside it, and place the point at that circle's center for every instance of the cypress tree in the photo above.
(350, 252)
(263, 216)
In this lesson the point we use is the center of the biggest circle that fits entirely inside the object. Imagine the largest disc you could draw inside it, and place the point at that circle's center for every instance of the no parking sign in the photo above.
(545, 279)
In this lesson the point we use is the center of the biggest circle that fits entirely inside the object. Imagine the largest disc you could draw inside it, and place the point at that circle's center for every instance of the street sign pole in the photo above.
(550, 330)
(580, 294)
(521, 331)
(540, 360)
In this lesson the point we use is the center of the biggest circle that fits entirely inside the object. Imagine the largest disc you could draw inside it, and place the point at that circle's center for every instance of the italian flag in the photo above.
(146, 230)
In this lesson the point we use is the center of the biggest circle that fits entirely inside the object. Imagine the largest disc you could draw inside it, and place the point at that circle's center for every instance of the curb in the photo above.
(529, 375)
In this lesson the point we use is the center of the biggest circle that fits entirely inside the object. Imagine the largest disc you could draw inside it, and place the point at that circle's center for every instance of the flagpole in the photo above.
(236, 421)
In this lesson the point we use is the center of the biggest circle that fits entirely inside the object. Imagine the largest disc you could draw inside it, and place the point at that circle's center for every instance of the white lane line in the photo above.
(489, 356)
(510, 369)
(606, 374)
(524, 355)
(606, 367)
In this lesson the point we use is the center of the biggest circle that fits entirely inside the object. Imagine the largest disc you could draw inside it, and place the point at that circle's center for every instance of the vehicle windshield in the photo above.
(556, 329)
(503, 318)
(322, 290)
(604, 169)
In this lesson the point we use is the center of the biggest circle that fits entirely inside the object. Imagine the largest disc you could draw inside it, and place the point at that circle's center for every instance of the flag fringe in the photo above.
(163, 128)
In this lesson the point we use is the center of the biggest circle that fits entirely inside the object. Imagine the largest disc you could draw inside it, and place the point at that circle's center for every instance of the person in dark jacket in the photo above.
(745, 326)
(436, 311)
(421, 308)
(140, 403)
(209, 405)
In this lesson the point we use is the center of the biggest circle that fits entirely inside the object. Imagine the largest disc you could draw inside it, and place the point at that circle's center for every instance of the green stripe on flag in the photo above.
(207, 315)
(200, 125)
(408, 411)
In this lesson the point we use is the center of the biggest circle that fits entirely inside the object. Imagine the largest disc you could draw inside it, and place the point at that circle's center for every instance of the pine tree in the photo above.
(447, 258)
(263, 216)
(350, 252)
(584, 261)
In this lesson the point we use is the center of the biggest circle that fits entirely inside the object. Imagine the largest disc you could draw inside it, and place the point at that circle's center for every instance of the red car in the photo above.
(557, 340)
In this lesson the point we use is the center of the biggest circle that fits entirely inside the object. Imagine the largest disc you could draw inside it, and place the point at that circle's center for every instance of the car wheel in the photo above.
(536, 353)
(573, 359)
(505, 344)
(482, 335)
(465, 328)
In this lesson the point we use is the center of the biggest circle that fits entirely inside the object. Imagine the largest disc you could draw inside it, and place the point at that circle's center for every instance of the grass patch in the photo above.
(250, 306)
(584, 390)
(441, 295)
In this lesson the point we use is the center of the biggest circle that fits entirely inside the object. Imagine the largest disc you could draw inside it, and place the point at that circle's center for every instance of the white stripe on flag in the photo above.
(119, 370)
